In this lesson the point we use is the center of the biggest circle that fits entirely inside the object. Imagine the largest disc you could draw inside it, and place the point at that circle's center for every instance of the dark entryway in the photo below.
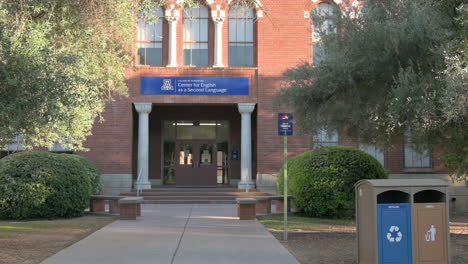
(210, 131)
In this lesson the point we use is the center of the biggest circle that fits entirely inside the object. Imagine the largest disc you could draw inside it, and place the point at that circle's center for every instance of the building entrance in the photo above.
(196, 163)
(196, 153)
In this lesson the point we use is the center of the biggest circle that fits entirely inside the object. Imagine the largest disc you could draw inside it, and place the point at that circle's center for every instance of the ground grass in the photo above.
(10, 229)
(301, 223)
(33, 241)
(320, 241)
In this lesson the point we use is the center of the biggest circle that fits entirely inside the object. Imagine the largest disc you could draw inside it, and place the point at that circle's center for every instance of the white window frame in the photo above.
(57, 147)
(413, 158)
(147, 39)
(241, 31)
(16, 144)
(325, 138)
(323, 9)
(374, 151)
(194, 34)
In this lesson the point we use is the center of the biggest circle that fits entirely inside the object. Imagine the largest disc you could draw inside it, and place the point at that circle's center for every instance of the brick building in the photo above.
(199, 110)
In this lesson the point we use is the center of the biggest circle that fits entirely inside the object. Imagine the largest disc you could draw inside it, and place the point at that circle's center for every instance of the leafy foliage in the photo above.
(45, 185)
(393, 65)
(322, 180)
(62, 61)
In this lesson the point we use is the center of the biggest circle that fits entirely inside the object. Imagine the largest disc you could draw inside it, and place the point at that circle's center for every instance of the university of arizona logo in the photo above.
(167, 85)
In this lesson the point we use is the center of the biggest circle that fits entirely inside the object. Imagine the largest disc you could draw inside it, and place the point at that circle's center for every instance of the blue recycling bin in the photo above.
(394, 233)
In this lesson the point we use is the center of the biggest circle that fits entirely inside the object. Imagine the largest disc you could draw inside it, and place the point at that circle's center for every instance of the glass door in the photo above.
(196, 163)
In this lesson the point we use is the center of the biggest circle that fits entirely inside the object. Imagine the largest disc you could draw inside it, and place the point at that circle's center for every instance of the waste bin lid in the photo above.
(404, 183)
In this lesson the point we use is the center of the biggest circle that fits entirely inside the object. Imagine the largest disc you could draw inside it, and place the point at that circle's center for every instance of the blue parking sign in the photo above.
(285, 124)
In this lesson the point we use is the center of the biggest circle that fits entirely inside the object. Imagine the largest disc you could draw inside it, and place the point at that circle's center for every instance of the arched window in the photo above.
(322, 23)
(241, 36)
(196, 36)
(149, 40)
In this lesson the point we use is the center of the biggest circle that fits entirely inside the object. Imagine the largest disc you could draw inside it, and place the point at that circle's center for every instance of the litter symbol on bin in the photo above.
(391, 234)
(431, 234)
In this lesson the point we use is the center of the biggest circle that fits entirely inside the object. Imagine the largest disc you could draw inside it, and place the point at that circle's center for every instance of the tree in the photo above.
(391, 66)
(61, 62)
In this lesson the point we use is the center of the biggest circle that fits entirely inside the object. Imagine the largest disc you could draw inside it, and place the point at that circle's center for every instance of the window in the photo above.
(374, 151)
(16, 145)
(322, 24)
(325, 138)
(415, 158)
(59, 148)
(241, 36)
(196, 36)
(149, 42)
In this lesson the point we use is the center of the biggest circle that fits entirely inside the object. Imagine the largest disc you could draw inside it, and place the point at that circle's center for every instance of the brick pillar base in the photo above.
(246, 211)
(138, 208)
(128, 211)
(97, 206)
(280, 206)
(114, 207)
(263, 207)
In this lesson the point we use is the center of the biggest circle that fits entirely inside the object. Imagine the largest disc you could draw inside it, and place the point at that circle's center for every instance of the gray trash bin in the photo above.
(395, 218)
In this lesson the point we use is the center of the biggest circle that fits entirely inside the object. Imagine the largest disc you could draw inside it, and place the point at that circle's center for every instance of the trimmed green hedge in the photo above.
(45, 185)
(322, 180)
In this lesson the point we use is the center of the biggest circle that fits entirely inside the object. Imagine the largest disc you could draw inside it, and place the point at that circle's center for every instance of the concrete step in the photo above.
(189, 197)
(172, 195)
(160, 194)
(182, 189)
(189, 201)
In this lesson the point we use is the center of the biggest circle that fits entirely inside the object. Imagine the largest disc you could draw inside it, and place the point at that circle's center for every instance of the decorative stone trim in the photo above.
(181, 2)
(115, 184)
(218, 17)
(172, 16)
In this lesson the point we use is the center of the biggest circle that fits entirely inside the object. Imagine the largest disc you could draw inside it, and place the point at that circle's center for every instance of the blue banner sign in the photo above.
(195, 85)
(285, 124)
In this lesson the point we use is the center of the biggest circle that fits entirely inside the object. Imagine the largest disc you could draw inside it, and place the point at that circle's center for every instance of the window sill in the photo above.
(419, 170)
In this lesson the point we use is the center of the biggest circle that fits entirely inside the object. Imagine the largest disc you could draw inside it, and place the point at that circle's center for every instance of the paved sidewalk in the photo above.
(179, 234)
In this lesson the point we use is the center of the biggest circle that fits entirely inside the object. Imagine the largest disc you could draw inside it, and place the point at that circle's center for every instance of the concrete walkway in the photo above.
(178, 234)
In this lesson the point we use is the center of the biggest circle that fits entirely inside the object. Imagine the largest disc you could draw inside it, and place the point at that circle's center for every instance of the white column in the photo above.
(173, 39)
(143, 110)
(218, 58)
(246, 146)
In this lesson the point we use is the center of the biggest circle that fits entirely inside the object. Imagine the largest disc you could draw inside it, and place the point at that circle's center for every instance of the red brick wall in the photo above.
(283, 41)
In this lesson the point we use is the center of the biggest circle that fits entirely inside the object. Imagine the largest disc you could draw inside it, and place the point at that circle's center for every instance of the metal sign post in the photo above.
(285, 197)
(285, 129)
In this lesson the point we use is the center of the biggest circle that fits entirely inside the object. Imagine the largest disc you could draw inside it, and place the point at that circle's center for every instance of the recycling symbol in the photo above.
(391, 234)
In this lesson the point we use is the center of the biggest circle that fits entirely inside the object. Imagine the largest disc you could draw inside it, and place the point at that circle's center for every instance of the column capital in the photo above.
(144, 108)
(172, 19)
(172, 14)
(246, 108)
(218, 20)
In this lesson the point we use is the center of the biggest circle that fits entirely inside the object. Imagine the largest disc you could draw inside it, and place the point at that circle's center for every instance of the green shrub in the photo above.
(44, 185)
(322, 180)
(92, 171)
